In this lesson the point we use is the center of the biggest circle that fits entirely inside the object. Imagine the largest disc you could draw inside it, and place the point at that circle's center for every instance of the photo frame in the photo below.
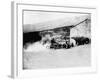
(44, 18)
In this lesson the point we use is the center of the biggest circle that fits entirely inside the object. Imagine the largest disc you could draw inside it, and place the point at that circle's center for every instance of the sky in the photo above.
(34, 17)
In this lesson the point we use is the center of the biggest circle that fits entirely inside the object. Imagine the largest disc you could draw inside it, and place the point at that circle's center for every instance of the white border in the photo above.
(17, 70)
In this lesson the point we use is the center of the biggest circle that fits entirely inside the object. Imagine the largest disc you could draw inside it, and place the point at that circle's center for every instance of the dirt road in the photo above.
(74, 57)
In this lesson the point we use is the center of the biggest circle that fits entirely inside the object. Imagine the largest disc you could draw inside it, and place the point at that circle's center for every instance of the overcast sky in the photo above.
(33, 17)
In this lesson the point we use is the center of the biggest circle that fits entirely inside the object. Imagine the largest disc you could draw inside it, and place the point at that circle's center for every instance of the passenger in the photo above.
(72, 42)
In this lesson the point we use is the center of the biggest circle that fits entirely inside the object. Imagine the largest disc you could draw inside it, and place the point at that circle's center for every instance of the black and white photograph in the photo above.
(54, 39)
